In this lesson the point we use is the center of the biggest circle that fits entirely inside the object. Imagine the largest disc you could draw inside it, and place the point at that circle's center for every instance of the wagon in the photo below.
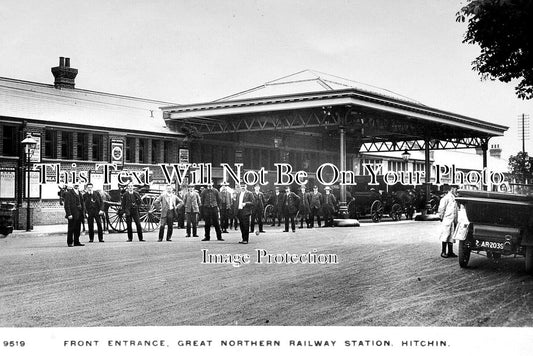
(498, 224)
(149, 215)
(369, 203)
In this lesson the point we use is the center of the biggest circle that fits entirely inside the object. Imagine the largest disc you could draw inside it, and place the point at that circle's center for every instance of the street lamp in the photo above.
(29, 144)
(406, 155)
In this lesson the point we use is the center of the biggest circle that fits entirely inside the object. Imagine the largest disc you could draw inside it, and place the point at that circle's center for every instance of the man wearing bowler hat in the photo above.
(315, 205)
(210, 209)
(131, 201)
(74, 212)
(94, 207)
(291, 204)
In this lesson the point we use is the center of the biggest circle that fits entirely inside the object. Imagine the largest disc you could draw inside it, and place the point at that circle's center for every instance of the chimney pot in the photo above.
(64, 75)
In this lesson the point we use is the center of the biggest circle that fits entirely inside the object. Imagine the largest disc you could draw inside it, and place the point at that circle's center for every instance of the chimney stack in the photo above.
(64, 75)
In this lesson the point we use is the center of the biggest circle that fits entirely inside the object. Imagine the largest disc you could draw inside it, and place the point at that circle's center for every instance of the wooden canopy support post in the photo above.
(343, 208)
(484, 148)
(428, 169)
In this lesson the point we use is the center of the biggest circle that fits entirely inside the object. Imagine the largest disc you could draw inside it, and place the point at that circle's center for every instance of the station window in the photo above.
(155, 151)
(83, 146)
(67, 145)
(377, 166)
(130, 149)
(143, 151)
(50, 144)
(419, 167)
(98, 148)
(9, 138)
(166, 152)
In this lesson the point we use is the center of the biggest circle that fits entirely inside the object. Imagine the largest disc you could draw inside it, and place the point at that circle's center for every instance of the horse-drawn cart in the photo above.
(376, 205)
(149, 215)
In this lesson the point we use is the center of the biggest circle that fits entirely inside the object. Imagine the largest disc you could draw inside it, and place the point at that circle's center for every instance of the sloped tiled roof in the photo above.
(44, 103)
(308, 81)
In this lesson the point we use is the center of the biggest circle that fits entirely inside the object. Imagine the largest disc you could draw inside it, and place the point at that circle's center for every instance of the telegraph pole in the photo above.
(523, 130)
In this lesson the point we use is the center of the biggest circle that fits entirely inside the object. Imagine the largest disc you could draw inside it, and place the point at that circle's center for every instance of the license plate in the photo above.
(489, 244)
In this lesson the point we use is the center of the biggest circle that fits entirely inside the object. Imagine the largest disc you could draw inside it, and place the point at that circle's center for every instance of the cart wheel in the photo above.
(464, 254)
(268, 214)
(376, 211)
(529, 259)
(148, 214)
(396, 212)
(116, 218)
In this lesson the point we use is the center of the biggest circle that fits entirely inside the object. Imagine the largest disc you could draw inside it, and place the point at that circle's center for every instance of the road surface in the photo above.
(388, 274)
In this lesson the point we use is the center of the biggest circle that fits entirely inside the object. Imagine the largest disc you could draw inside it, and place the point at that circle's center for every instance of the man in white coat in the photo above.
(448, 215)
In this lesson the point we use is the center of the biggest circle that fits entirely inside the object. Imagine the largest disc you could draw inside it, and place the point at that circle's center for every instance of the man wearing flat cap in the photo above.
(315, 204)
(226, 205)
(330, 204)
(191, 201)
(291, 204)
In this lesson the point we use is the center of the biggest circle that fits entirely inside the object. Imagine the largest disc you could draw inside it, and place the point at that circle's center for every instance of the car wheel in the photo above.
(464, 254)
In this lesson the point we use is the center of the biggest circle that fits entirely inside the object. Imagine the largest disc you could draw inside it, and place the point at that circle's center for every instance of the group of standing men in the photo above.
(308, 204)
(219, 209)
(78, 206)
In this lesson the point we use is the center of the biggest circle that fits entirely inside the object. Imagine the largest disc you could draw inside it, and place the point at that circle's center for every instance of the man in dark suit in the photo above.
(276, 200)
(330, 206)
(291, 203)
(305, 207)
(315, 203)
(226, 205)
(244, 204)
(259, 208)
(131, 201)
(74, 212)
(94, 207)
(210, 209)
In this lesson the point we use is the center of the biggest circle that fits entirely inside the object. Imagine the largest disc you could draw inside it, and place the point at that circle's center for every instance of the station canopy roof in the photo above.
(312, 101)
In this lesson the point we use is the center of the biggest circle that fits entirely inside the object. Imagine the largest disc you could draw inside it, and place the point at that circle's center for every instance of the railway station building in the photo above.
(77, 129)
(305, 119)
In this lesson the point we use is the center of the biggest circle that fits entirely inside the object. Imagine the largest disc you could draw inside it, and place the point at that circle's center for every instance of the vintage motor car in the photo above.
(499, 224)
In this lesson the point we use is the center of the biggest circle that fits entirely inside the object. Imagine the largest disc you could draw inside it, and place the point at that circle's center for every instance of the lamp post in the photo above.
(29, 144)
(406, 155)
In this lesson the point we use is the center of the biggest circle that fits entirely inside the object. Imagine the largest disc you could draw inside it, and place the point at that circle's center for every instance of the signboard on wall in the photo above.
(35, 186)
(7, 183)
(117, 152)
(36, 156)
(183, 155)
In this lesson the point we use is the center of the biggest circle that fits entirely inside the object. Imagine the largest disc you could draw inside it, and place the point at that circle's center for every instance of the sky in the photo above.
(187, 51)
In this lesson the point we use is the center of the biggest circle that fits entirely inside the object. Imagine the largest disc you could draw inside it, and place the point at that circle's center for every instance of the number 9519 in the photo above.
(14, 343)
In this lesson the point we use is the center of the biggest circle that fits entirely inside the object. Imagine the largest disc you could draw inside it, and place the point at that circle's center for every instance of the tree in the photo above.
(502, 28)
(520, 168)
